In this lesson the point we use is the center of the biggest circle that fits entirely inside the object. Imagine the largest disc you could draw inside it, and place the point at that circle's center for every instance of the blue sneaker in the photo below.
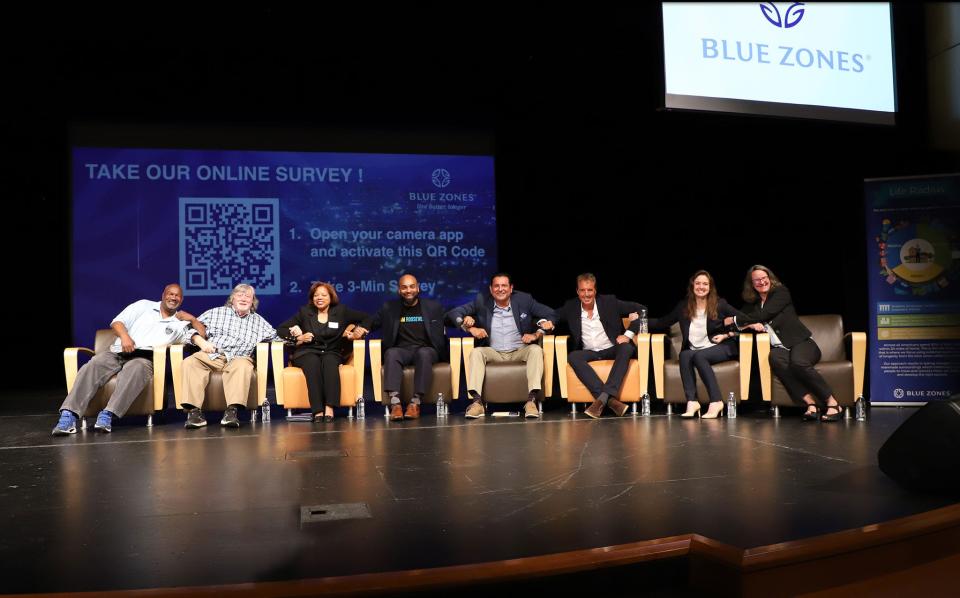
(67, 424)
(104, 422)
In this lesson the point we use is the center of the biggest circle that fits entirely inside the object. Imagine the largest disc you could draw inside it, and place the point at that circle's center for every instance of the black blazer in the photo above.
(779, 313)
(526, 311)
(388, 318)
(326, 337)
(612, 312)
(714, 326)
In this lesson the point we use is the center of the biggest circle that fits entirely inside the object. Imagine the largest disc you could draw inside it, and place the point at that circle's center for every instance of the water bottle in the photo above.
(645, 407)
(360, 413)
(732, 406)
(441, 407)
(861, 409)
(265, 411)
(643, 325)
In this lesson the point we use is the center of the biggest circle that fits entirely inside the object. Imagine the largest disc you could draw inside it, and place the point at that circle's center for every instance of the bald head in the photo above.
(409, 289)
(171, 298)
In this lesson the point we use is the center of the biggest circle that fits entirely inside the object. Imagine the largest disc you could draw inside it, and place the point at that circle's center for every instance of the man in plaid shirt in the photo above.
(233, 332)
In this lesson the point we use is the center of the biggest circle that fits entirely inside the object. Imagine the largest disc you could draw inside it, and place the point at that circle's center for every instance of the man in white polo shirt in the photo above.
(140, 327)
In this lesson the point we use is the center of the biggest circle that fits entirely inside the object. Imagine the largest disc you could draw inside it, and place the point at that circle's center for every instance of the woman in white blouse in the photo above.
(705, 341)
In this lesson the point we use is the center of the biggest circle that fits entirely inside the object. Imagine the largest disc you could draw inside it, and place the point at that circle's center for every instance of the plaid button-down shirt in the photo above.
(232, 335)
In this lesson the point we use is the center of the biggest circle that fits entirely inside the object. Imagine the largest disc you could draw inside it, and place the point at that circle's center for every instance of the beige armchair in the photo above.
(507, 382)
(146, 403)
(214, 397)
(732, 376)
(291, 385)
(842, 362)
(446, 376)
(634, 383)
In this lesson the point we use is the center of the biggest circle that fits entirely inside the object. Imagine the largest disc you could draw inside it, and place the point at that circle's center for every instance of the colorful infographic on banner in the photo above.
(913, 258)
(279, 221)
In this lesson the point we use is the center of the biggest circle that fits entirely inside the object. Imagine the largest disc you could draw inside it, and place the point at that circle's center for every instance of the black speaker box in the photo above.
(923, 454)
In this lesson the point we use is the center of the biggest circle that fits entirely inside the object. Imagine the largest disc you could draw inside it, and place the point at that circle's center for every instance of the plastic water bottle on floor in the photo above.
(861, 409)
(360, 413)
(441, 406)
(265, 411)
(643, 324)
(732, 406)
(645, 406)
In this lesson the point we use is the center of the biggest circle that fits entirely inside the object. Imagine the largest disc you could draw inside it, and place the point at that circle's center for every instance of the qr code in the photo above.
(225, 242)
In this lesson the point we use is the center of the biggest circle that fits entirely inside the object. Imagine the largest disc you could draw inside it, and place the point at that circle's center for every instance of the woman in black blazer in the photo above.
(705, 341)
(793, 352)
(319, 329)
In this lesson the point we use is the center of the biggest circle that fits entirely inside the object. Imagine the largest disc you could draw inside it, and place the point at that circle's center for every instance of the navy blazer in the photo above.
(612, 312)
(678, 314)
(388, 318)
(779, 313)
(526, 311)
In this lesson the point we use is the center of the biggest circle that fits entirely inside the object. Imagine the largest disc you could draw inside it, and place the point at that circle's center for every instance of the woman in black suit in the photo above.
(705, 341)
(793, 352)
(319, 329)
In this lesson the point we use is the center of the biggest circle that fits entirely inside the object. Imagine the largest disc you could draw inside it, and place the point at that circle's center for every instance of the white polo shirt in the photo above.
(147, 327)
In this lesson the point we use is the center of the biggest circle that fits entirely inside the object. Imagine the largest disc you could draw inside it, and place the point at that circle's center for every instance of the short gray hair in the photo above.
(240, 288)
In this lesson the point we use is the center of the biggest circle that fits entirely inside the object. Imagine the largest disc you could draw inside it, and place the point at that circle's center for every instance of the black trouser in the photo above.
(795, 369)
(422, 360)
(322, 371)
(701, 361)
(620, 354)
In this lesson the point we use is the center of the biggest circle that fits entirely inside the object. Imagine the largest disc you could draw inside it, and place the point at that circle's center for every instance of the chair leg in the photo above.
(350, 413)
(776, 412)
(669, 409)
(83, 423)
(846, 413)
(150, 421)
(633, 409)
(573, 409)
(253, 415)
(289, 412)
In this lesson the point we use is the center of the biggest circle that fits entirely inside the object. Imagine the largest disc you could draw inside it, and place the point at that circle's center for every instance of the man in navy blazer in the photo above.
(596, 328)
(412, 335)
(506, 326)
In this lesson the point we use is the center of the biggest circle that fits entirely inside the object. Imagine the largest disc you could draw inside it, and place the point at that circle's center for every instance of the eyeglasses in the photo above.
(759, 280)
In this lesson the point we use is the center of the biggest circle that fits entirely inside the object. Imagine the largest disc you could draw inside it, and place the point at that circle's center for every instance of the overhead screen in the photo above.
(823, 61)
(276, 220)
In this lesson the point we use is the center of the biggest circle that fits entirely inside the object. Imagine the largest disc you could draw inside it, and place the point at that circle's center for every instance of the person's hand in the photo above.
(622, 339)
(529, 338)
(468, 322)
(719, 338)
(205, 345)
(184, 316)
(360, 332)
(547, 325)
(295, 331)
(728, 321)
(126, 344)
(477, 333)
(758, 327)
(305, 338)
(633, 316)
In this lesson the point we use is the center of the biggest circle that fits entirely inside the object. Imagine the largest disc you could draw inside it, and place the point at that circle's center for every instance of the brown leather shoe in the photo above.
(595, 409)
(412, 412)
(618, 407)
(396, 412)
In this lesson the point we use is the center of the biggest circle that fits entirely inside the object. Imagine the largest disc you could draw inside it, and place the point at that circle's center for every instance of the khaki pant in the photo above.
(481, 356)
(237, 374)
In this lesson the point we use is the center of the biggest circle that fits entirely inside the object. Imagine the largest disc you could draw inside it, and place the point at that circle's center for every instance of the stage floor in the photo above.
(164, 506)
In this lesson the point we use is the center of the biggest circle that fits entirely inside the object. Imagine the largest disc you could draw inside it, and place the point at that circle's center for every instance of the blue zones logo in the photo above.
(440, 178)
(789, 19)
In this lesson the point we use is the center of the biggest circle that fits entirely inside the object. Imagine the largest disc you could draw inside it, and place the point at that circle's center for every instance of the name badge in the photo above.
(333, 324)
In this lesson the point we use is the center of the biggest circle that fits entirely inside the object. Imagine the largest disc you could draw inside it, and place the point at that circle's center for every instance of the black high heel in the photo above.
(811, 416)
(834, 417)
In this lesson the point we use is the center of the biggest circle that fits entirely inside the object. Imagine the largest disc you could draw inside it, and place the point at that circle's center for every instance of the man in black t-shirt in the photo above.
(412, 335)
